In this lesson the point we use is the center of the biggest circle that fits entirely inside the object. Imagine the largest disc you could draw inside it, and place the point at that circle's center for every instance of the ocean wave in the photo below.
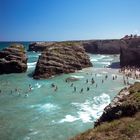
(35, 55)
(99, 75)
(93, 60)
(45, 107)
(31, 65)
(77, 76)
(91, 110)
(38, 85)
(88, 111)
(69, 118)
(104, 63)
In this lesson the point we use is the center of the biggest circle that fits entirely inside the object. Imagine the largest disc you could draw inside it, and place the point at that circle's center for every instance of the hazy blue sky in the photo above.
(68, 19)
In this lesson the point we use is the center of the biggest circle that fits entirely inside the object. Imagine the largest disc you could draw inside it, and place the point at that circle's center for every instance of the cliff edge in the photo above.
(120, 119)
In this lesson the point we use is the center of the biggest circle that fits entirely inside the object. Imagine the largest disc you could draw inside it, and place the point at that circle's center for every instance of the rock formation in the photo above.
(104, 46)
(39, 46)
(95, 46)
(13, 59)
(120, 119)
(61, 58)
(130, 57)
(124, 104)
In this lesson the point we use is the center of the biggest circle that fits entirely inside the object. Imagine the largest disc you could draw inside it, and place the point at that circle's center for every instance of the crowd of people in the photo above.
(132, 72)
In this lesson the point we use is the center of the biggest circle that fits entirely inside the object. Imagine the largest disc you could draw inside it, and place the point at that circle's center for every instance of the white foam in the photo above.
(45, 107)
(93, 60)
(38, 85)
(91, 110)
(69, 118)
(48, 107)
(98, 75)
(104, 63)
(31, 65)
(77, 76)
(104, 72)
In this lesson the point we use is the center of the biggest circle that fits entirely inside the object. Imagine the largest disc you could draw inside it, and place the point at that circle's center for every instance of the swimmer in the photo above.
(96, 85)
(113, 78)
(26, 95)
(87, 88)
(56, 88)
(87, 81)
(52, 85)
(81, 90)
(71, 85)
(74, 89)
(106, 77)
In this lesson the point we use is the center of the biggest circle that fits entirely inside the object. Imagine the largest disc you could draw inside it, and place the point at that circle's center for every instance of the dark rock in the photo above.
(130, 57)
(61, 58)
(104, 46)
(13, 59)
(110, 46)
(39, 46)
(126, 103)
(71, 79)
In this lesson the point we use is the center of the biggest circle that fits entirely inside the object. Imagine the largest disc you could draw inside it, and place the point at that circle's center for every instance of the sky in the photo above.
(56, 20)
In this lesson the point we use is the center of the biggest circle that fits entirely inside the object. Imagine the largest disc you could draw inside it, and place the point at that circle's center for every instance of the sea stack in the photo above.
(13, 59)
(61, 58)
(130, 56)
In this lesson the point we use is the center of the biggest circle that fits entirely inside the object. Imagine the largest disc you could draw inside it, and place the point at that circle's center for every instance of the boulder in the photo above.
(61, 58)
(13, 59)
(71, 79)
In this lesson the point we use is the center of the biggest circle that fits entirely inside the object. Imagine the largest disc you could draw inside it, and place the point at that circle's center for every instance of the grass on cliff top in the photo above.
(126, 128)
(134, 97)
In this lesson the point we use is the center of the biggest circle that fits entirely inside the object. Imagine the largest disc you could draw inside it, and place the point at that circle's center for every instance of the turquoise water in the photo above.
(48, 115)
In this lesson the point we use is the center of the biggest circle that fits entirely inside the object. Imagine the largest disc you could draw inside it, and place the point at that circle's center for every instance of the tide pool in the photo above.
(48, 115)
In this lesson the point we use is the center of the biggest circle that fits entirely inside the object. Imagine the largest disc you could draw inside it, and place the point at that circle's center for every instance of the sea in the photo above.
(45, 114)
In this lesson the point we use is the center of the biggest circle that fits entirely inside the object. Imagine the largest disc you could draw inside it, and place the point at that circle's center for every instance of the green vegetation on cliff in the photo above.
(125, 128)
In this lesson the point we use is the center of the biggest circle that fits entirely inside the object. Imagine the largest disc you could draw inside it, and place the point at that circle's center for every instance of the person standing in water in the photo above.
(74, 89)
(81, 90)
(71, 85)
(56, 88)
(96, 85)
(87, 88)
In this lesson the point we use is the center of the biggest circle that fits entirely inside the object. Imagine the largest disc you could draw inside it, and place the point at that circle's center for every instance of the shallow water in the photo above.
(49, 115)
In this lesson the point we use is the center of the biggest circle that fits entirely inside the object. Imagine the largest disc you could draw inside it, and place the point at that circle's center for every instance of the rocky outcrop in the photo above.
(61, 58)
(120, 119)
(104, 46)
(91, 46)
(13, 59)
(39, 46)
(130, 57)
(110, 46)
(126, 103)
